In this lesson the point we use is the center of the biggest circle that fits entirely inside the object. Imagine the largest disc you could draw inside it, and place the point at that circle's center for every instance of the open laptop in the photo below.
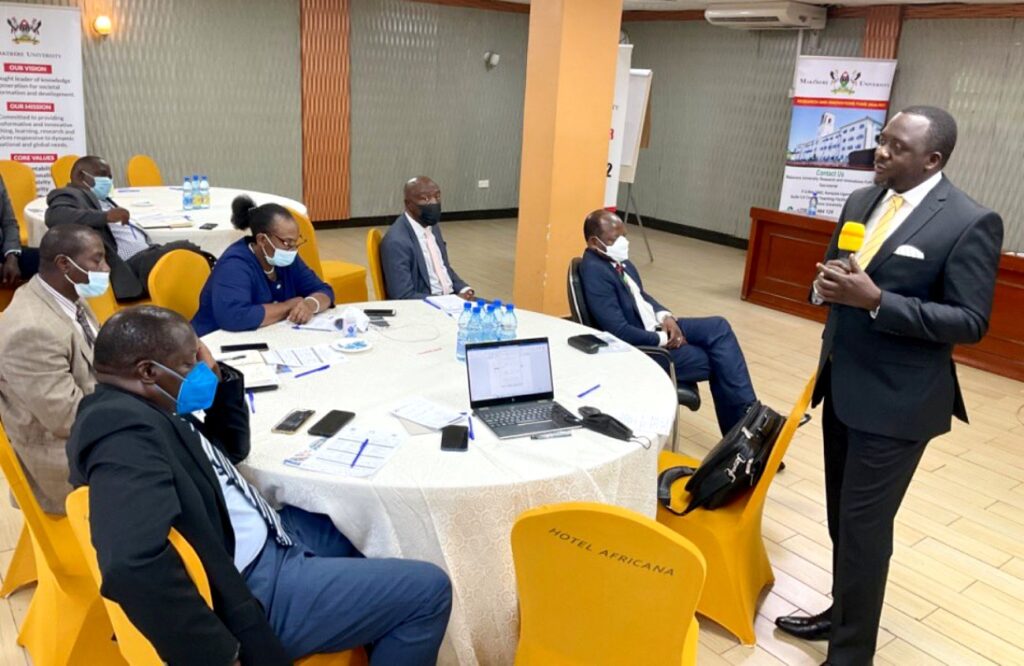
(511, 390)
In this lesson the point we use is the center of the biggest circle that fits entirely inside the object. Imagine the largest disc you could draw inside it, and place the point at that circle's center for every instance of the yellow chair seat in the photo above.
(347, 280)
(20, 182)
(730, 537)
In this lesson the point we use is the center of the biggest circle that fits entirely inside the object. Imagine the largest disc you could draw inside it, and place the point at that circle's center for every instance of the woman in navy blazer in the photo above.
(260, 279)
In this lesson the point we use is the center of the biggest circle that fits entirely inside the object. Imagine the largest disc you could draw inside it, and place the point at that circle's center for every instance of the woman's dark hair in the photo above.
(245, 214)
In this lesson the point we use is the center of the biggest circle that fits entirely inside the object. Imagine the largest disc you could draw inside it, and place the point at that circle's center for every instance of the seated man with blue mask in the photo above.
(130, 253)
(157, 444)
(703, 348)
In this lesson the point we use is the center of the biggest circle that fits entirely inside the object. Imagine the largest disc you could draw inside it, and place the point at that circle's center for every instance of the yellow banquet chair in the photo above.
(142, 171)
(107, 304)
(66, 622)
(60, 171)
(22, 569)
(347, 280)
(373, 239)
(176, 280)
(730, 537)
(599, 584)
(20, 181)
(135, 647)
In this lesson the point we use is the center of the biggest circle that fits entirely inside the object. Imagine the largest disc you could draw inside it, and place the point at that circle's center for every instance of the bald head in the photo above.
(423, 200)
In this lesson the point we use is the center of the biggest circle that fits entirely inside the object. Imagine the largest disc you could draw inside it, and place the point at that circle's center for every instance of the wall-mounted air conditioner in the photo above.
(767, 16)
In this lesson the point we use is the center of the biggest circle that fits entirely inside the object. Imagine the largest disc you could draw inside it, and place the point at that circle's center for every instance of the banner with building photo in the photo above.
(42, 109)
(839, 107)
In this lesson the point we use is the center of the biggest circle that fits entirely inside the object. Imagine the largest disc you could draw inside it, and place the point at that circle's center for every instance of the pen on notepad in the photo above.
(433, 305)
(362, 447)
(232, 358)
(589, 390)
(309, 372)
(252, 402)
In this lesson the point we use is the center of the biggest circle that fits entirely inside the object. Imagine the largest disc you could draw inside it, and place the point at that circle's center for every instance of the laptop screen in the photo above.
(509, 371)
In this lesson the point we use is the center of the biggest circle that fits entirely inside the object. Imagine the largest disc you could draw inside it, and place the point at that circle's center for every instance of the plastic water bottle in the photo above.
(197, 201)
(499, 314)
(463, 334)
(187, 201)
(509, 323)
(473, 328)
(812, 205)
(204, 191)
(492, 324)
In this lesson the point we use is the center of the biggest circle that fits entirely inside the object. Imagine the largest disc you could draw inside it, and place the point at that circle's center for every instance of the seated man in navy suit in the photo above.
(703, 348)
(413, 254)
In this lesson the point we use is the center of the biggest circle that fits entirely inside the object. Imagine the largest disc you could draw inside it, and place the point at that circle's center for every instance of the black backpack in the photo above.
(732, 467)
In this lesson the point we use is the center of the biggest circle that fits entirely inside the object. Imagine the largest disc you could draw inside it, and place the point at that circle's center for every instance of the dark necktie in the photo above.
(83, 321)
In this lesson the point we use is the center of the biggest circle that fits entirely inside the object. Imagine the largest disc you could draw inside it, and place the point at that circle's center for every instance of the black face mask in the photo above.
(430, 214)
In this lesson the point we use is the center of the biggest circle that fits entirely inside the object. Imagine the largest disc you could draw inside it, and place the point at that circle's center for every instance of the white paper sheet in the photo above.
(345, 455)
(450, 304)
(615, 346)
(426, 413)
(301, 357)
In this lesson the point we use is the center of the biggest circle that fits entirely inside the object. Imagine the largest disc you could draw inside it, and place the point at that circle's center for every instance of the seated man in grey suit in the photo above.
(129, 251)
(413, 254)
(46, 339)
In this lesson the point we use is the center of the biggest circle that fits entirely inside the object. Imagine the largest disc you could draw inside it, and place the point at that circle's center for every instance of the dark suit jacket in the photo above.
(894, 375)
(611, 302)
(10, 232)
(147, 473)
(73, 205)
(405, 269)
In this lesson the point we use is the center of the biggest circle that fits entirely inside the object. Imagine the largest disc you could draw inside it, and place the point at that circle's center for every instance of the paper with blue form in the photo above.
(345, 454)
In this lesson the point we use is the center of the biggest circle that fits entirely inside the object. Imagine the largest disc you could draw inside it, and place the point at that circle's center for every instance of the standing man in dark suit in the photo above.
(703, 348)
(129, 252)
(413, 254)
(285, 583)
(921, 283)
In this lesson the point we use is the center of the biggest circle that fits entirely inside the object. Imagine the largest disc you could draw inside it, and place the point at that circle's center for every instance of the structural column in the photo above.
(570, 82)
(882, 31)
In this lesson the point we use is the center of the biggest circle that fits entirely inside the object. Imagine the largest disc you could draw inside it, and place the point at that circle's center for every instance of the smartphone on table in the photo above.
(258, 346)
(290, 424)
(454, 438)
(331, 423)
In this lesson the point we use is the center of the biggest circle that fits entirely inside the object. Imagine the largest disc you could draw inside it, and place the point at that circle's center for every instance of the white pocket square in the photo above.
(909, 251)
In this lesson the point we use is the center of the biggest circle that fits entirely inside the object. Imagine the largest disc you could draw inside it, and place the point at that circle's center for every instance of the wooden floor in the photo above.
(956, 585)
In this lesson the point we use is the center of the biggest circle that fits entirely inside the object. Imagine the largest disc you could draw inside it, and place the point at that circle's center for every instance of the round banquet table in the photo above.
(144, 202)
(455, 509)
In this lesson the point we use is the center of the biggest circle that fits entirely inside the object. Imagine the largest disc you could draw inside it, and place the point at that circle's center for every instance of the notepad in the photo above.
(336, 455)
(426, 413)
(451, 304)
(301, 357)
(259, 377)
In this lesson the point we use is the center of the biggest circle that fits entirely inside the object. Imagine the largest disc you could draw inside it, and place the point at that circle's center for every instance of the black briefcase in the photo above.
(733, 466)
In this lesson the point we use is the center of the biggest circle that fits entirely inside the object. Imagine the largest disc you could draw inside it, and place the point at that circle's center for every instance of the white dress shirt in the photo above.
(67, 307)
(648, 316)
(130, 239)
(421, 235)
(912, 198)
(249, 527)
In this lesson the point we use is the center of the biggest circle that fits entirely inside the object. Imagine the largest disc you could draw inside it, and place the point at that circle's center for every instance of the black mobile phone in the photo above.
(208, 226)
(331, 423)
(293, 421)
(454, 438)
(258, 346)
(587, 343)
(379, 312)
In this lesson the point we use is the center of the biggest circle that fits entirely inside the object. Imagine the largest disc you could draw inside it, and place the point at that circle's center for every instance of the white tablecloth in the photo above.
(456, 509)
(141, 201)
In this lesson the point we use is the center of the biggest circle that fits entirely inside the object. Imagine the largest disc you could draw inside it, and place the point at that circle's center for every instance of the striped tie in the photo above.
(880, 233)
(83, 321)
(224, 466)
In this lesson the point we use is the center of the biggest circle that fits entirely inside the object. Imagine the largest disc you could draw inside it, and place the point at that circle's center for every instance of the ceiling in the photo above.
(673, 5)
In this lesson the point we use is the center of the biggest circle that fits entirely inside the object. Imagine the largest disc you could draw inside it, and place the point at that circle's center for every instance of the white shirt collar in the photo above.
(415, 224)
(65, 304)
(914, 196)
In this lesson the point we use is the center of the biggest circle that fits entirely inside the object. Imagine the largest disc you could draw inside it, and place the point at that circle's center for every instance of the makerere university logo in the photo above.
(25, 31)
(844, 83)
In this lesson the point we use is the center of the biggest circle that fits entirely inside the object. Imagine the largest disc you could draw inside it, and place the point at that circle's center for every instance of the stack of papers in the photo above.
(426, 413)
(160, 220)
(450, 304)
(615, 346)
(321, 322)
(299, 357)
(354, 451)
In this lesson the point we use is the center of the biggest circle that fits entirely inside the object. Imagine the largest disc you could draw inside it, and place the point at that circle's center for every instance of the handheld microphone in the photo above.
(851, 238)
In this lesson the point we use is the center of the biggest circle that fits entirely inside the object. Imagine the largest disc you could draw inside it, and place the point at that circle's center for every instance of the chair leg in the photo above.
(22, 569)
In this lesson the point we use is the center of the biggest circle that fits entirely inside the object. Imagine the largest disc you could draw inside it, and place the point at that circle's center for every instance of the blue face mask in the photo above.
(197, 389)
(280, 258)
(96, 286)
(101, 186)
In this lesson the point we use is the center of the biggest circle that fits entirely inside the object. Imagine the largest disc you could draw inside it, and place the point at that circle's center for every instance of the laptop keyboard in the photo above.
(522, 414)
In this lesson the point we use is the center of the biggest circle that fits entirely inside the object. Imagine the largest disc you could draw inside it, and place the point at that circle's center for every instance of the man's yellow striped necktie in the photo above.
(880, 233)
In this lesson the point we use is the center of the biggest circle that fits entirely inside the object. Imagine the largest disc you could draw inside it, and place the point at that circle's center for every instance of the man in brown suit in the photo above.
(46, 338)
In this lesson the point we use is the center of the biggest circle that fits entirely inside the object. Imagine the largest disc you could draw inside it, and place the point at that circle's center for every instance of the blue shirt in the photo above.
(233, 297)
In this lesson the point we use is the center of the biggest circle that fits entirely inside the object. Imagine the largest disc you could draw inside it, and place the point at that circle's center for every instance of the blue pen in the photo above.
(252, 402)
(309, 372)
(362, 447)
(469, 417)
(589, 390)
(433, 305)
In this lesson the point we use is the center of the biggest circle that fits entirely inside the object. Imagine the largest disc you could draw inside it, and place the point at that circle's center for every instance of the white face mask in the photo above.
(619, 250)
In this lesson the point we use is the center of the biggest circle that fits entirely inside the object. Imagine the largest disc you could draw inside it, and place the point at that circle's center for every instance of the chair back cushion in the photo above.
(177, 280)
(373, 238)
(577, 301)
(20, 183)
(143, 171)
(60, 171)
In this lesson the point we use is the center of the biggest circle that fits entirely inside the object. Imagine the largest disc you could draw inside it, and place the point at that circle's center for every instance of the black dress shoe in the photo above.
(804, 420)
(809, 628)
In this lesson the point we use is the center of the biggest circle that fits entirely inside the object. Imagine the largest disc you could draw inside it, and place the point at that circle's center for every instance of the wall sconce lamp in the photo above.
(102, 25)
(491, 59)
